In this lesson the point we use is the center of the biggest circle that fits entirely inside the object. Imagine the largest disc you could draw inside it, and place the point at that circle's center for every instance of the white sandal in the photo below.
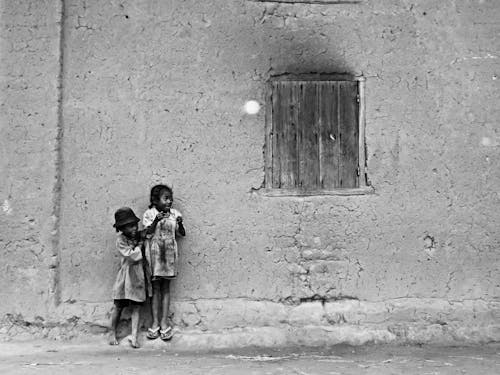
(166, 334)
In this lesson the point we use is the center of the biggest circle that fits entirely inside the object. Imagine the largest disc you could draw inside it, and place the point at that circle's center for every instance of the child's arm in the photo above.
(129, 252)
(141, 236)
(150, 223)
(180, 226)
(157, 219)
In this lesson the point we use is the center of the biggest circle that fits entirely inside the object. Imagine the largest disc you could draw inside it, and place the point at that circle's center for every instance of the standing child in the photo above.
(161, 223)
(129, 289)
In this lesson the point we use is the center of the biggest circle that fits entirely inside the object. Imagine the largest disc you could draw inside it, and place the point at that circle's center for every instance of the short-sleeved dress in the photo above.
(161, 246)
(130, 282)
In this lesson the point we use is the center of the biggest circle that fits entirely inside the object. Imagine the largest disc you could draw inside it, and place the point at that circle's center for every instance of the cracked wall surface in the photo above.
(153, 92)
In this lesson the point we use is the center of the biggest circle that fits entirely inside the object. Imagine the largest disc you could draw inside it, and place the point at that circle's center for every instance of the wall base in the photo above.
(229, 323)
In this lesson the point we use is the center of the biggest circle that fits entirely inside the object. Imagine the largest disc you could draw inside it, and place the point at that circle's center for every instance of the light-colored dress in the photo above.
(161, 246)
(130, 282)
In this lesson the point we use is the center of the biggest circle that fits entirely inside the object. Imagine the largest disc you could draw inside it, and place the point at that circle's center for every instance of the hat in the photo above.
(124, 216)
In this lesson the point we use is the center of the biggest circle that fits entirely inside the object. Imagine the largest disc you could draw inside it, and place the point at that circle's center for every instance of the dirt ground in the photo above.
(51, 357)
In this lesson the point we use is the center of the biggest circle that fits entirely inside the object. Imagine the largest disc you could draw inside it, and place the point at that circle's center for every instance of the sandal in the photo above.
(166, 334)
(153, 333)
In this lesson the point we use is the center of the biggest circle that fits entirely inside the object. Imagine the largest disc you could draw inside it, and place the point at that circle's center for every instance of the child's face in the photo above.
(165, 200)
(130, 230)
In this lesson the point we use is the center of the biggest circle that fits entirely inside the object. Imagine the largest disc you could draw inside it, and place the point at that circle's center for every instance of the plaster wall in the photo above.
(29, 71)
(152, 91)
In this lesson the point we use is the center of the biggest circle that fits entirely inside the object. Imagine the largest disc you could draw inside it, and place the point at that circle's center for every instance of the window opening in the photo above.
(315, 135)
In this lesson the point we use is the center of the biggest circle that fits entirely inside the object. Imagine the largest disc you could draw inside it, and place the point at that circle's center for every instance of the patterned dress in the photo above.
(161, 246)
(130, 282)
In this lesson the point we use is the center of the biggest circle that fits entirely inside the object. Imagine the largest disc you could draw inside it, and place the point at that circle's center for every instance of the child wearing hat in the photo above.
(129, 289)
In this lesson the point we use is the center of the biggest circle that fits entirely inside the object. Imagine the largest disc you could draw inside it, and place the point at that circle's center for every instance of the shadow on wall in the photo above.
(302, 51)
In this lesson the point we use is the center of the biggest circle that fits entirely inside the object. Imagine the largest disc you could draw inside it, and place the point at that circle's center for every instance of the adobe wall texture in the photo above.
(152, 91)
(29, 71)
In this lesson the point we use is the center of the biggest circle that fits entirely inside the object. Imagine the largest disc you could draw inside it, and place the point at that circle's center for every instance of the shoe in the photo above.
(166, 334)
(153, 333)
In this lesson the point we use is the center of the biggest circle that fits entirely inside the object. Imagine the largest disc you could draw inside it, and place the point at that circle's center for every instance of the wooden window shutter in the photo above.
(314, 135)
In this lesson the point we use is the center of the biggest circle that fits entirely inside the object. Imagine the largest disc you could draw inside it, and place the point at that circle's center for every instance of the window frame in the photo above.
(364, 187)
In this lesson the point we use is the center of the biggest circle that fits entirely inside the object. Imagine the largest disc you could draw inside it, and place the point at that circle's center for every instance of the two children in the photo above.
(155, 247)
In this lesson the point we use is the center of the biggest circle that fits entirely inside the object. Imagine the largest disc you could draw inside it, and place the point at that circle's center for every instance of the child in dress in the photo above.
(129, 289)
(161, 223)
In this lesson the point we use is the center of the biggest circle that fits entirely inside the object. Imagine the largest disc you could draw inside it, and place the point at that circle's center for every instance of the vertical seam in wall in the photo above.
(56, 280)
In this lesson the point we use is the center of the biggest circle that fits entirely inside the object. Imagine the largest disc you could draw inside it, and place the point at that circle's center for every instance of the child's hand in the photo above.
(160, 216)
(180, 227)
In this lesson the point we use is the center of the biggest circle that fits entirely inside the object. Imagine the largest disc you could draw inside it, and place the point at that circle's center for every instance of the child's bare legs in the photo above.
(115, 319)
(165, 294)
(155, 303)
(161, 300)
(135, 326)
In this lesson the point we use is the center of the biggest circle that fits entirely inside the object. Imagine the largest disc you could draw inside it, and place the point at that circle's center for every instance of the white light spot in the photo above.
(489, 142)
(6, 207)
(251, 107)
(486, 141)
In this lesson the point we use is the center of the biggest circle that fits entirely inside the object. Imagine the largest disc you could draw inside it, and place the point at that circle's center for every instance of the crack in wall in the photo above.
(55, 291)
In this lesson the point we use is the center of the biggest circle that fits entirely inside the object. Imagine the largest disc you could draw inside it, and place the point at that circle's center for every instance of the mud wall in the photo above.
(29, 154)
(152, 91)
